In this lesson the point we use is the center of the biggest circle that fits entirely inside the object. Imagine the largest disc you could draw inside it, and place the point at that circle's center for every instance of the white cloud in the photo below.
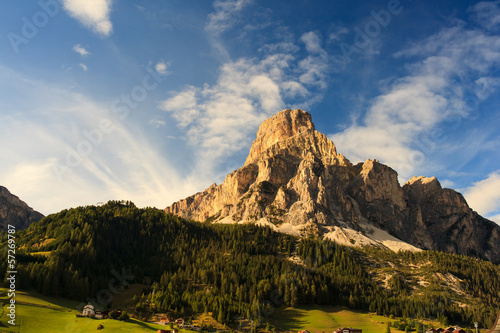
(446, 183)
(162, 67)
(315, 65)
(487, 14)
(220, 119)
(484, 196)
(398, 124)
(81, 50)
(225, 15)
(83, 66)
(157, 123)
(313, 42)
(93, 14)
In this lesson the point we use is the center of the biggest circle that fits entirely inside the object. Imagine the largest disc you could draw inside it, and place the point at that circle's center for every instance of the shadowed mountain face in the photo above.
(15, 212)
(295, 182)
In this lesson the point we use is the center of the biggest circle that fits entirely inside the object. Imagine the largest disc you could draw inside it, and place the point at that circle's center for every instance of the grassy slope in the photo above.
(318, 319)
(36, 313)
(326, 319)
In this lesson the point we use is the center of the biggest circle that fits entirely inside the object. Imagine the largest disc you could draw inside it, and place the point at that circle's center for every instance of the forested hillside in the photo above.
(239, 270)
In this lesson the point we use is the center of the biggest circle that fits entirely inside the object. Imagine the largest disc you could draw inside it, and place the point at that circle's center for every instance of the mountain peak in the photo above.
(282, 126)
(295, 182)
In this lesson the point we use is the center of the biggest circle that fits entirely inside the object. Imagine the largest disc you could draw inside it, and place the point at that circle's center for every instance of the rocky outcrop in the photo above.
(15, 212)
(295, 182)
(440, 219)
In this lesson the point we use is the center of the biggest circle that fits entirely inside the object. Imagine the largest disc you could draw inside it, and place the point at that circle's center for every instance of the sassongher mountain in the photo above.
(295, 181)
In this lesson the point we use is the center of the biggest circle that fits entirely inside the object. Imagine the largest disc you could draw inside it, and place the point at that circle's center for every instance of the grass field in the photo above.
(41, 314)
(319, 319)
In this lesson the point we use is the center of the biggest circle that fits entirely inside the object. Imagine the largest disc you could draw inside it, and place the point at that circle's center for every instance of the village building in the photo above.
(179, 321)
(88, 310)
(348, 330)
(452, 329)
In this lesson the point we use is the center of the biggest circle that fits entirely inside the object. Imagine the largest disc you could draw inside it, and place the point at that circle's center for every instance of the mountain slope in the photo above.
(295, 181)
(15, 212)
(239, 271)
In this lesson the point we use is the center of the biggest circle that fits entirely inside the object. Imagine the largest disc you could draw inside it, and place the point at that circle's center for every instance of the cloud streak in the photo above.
(51, 126)
(225, 15)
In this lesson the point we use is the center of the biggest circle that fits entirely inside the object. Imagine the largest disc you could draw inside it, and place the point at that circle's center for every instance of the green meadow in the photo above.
(320, 319)
(40, 314)
(37, 313)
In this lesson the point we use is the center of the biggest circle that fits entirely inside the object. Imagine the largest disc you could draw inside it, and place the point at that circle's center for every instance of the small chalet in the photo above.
(348, 330)
(88, 310)
(179, 321)
(164, 320)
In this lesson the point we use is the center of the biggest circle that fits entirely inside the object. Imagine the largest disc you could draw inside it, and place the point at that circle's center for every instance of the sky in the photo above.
(152, 101)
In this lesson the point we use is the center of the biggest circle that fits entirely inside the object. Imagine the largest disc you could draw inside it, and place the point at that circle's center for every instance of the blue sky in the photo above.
(152, 101)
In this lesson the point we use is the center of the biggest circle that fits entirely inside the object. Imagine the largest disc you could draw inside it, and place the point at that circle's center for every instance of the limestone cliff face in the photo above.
(15, 212)
(295, 181)
(442, 220)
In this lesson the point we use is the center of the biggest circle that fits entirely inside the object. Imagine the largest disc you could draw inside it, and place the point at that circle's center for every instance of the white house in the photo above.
(88, 310)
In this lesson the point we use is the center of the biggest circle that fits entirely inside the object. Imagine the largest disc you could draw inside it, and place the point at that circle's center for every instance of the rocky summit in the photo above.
(296, 182)
(15, 212)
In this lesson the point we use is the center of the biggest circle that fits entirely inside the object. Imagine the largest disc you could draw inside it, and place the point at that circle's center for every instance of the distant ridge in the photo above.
(16, 212)
(296, 182)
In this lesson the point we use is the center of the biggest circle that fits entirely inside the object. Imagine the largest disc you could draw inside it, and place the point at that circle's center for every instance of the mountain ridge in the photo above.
(295, 181)
(15, 212)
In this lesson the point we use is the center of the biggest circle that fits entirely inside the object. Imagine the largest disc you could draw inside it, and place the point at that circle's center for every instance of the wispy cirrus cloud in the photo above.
(487, 14)
(93, 14)
(55, 146)
(225, 15)
(401, 126)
